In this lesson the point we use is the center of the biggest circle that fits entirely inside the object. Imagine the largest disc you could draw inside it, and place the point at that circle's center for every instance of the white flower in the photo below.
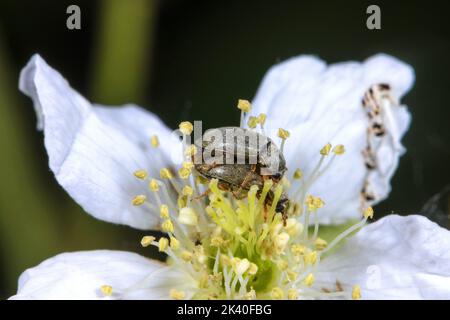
(120, 165)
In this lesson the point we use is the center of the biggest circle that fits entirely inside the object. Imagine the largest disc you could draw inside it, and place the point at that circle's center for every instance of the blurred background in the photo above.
(188, 60)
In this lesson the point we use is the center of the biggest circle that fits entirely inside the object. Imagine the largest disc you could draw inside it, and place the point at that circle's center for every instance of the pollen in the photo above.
(368, 213)
(186, 127)
(164, 211)
(154, 141)
(106, 290)
(188, 216)
(163, 243)
(147, 240)
(244, 105)
(177, 295)
(276, 293)
(313, 203)
(339, 149)
(283, 134)
(167, 226)
(138, 200)
(309, 280)
(325, 150)
(356, 292)
(184, 173)
(165, 173)
(153, 185)
(140, 174)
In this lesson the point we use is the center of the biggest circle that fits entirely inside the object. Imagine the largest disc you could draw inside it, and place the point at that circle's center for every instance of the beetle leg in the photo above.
(204, 194)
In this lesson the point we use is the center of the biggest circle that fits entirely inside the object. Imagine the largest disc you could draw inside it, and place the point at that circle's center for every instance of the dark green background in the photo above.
(188, 60)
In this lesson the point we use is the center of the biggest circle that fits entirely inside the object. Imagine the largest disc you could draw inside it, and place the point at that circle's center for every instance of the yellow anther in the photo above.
(186, 255)
(138, 200)
(201, 180)
(186, 127)
(253, 269)
(276, 293)
(282, 265)
(177, 295)
(184, 173)
(293, 227)
(225, 260)
(298, 174)
(298, 249)
(167, 226)
(106, 290)
(368, 213)
(240, 266)
(244, 105)
(140, 174)
(188, 216)
(281, 241)
(164, 211)
(165, 173)
(188, 165)
(187, 191)
(182, 201)
(262, 119)
(320, 244)
(154, 141)
(153, 185)
(163, 243)
(251, 295)
(313, 203)
(326, 149)
(356, 292)
(309, 280)
(291, 275)
(200, 255)
(147, 240)
(190, 150)
(292, 294)
(174, 243)
(310, 258)
(217, 241)
(252, 122)
(339, 150)
(283, 134)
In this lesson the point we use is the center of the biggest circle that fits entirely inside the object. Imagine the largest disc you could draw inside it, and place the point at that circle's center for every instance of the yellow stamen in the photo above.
(292, 294)
(167, 226)
(253, 269)
(252, 122)
(154, 141)
(140, 174)
(174, 243)
(147, 240)
(283, 134)
(187, 191)
(368, 213)
(186, 256)
(310, 258)
(153, 185)
(138, 200)
(244, 105)
(164, 211)
(177, 295)
(320, 244)
(339, 150)
(298, 174)
(309, 280)
(186, 127)
(184, 173)
(106, 290)
(262, 119)
(356, 292)
(163, 243)
(165, 173)
(190, 150)
(325, 150)
(277, 293)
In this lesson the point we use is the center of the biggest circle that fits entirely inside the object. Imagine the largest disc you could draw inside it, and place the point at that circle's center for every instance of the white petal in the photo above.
(394, 258)
(93, 151)
(320, 104)
(80, 275)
